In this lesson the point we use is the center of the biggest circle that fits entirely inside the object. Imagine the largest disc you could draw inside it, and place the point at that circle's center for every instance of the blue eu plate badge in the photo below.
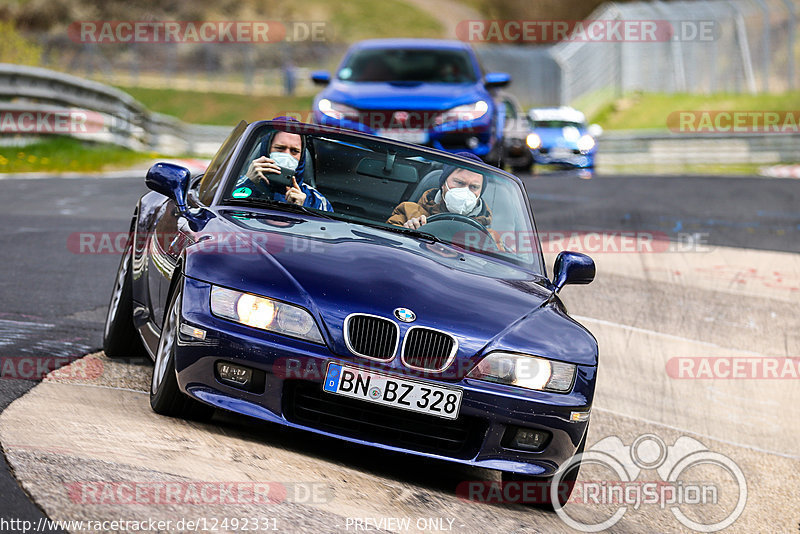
(332, 377)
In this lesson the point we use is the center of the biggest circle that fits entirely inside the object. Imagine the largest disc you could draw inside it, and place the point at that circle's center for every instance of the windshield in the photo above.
(558, 124)
(408, 65)
(464, 207)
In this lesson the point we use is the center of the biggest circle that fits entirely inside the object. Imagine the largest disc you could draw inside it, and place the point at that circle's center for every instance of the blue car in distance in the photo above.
(560, 136)
(423, 91)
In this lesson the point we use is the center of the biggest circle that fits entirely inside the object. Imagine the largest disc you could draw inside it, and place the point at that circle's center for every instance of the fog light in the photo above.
(241, 377)
(528, 439)
(472, 142)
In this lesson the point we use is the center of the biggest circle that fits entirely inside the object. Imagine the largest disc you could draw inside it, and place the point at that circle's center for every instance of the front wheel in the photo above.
(120, 338)
(166, 397)
(543, 485)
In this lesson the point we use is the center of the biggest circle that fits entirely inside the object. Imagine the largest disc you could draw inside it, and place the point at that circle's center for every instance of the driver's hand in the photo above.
(261, 166)
(415, 222)
(295, 195)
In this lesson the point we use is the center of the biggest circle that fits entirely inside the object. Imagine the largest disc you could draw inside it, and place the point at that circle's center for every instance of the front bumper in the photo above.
(573, 159)
(473, 136)
(292, 396)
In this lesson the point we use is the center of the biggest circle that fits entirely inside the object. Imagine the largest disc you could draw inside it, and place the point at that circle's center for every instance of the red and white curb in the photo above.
(781, 171)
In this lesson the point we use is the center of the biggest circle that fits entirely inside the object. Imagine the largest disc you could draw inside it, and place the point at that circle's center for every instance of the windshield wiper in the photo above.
(277, 204)
(407, 231)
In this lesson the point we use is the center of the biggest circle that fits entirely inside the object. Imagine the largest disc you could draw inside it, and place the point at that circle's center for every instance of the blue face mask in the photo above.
(285, 160)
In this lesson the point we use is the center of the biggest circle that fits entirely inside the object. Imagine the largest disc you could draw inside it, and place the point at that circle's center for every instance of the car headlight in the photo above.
(533, 141)
(586, 143)
(530, 372)
(465, 113)
(264, 314)
(338, 111)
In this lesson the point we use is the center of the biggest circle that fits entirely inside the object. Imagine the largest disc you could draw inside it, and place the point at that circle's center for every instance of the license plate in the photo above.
(561, 153)
(407, 136)
(378, 388)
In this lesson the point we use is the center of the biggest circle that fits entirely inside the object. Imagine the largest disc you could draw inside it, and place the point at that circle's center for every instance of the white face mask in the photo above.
(285, 160)
(460, 200)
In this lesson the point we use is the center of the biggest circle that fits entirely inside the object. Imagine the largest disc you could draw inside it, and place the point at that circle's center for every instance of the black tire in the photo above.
(543, 491)
(166, 397)
(120, 337)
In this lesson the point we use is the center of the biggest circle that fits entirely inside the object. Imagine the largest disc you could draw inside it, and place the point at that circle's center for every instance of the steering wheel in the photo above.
(466, 220)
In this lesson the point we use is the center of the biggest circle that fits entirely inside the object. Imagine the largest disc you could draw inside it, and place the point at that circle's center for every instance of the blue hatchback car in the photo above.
(424, 91)
(560, 136)
(447, 341)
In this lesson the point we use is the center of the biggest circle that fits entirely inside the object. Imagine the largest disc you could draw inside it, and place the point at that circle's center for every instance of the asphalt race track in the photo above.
(714, 277)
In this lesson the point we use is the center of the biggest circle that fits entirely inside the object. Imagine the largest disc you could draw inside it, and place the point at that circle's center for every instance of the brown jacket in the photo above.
(427, 207)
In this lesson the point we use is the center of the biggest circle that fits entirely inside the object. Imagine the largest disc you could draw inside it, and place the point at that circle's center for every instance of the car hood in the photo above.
(338, 268)
(404, 96)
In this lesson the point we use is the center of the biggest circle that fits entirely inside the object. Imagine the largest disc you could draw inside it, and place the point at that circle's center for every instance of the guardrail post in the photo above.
(792, 28)
(766, 45)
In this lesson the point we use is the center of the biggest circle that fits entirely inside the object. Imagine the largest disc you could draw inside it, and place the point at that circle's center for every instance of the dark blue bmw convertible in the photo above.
(365, 289)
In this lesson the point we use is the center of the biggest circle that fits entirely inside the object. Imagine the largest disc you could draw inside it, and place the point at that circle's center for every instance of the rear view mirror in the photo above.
(572, 268)
(495, 80)
(171, 181)
(321, 77)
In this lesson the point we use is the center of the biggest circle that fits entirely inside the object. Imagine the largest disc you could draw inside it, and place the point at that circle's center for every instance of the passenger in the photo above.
(459, 192)
(285, 150)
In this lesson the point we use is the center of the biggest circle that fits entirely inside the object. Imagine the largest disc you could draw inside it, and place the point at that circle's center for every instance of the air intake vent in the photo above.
(305, 403)
(371, 337)
(428, 349)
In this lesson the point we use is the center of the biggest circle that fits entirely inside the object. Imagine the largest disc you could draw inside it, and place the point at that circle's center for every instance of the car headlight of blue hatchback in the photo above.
(530, 372)
(264, 313)
(337, 110)
(465, 113)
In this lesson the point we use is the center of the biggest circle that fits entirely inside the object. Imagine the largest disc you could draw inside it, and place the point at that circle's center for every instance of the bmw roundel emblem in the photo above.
(405, 315)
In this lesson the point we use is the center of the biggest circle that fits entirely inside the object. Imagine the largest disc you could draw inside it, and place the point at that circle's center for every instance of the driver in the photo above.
(459, 192)
(286, 150)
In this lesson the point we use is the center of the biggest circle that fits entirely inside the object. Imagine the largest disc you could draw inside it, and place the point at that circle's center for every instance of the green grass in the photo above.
(367, 19)
(62, 154)
(650, 110)
(219, 108)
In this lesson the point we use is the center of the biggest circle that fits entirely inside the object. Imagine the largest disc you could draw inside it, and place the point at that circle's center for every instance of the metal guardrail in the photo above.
(660, 148)
(126, 122)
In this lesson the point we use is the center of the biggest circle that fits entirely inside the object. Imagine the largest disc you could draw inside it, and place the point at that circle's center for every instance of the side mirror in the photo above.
(321, 77)
(495, 80)
(595, 130)
(572, 268)
(171, 181)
